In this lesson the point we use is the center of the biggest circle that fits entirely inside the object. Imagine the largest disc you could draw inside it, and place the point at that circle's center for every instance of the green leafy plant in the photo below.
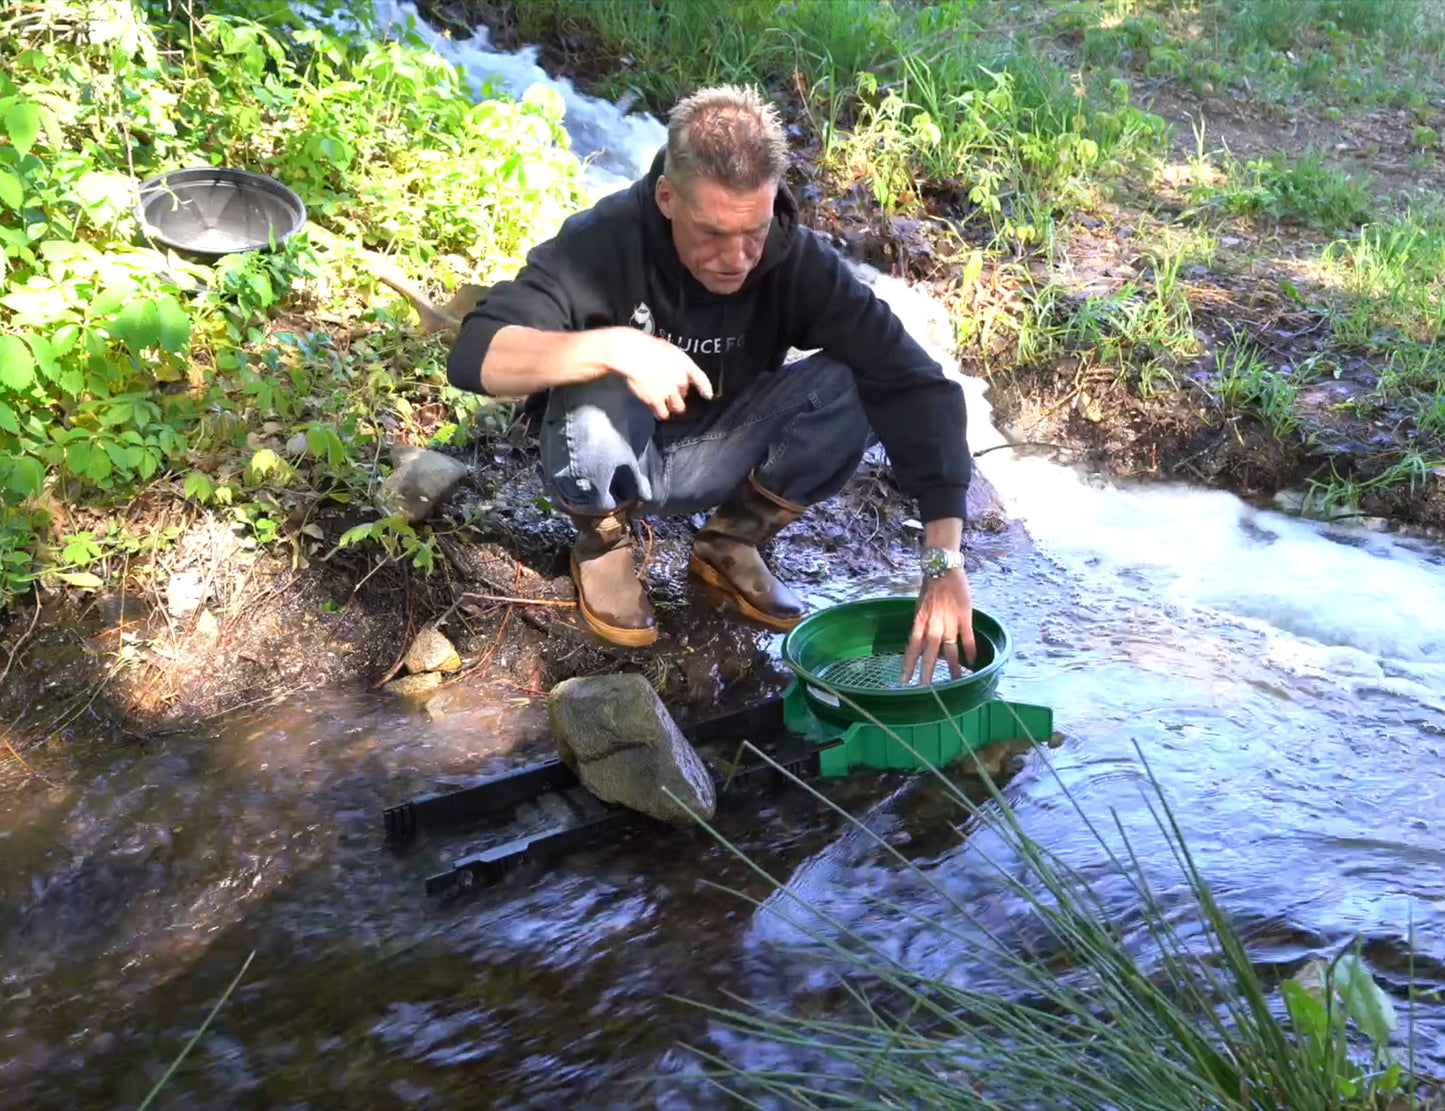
(122, 365)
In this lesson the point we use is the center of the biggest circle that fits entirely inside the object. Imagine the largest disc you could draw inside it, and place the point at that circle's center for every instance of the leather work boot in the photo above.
(611, 597)
(725, 554)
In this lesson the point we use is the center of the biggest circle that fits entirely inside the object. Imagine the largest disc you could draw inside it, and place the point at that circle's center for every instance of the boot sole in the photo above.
(713, 577)
(627, 638)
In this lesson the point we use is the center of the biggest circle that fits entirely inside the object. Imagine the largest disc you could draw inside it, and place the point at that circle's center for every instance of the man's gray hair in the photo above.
(727, 134)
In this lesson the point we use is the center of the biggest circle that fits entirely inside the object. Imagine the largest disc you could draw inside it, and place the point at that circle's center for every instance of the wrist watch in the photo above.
(937, 562)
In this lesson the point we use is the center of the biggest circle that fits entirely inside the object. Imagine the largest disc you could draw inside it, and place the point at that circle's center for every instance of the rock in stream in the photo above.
(431, 651)
(615, 733)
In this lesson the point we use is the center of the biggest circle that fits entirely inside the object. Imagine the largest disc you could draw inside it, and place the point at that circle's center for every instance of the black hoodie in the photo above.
(615, 264)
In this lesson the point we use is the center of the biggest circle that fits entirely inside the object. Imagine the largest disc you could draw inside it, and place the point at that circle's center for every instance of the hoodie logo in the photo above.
(692, 345)
(642, 318)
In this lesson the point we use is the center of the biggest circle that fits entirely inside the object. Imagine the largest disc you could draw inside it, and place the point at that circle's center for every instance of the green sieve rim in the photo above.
(875, 631)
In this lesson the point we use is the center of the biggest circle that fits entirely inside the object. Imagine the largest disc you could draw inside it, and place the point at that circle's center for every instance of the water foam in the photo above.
(618, 147)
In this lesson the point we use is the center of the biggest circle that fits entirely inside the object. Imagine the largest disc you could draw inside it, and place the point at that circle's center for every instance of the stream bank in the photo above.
(1176, 322)
(260, 630)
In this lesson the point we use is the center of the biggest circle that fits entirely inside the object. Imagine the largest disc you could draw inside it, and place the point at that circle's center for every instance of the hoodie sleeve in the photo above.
(549, 293)
(917, 412)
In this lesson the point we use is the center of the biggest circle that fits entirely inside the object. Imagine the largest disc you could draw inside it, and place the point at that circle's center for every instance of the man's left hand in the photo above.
(943, 621)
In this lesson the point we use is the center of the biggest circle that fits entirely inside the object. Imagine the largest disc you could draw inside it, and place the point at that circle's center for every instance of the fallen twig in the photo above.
(15, 648)
(469, 596)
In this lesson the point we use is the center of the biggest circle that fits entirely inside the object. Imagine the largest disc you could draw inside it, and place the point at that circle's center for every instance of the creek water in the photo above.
(1284, 680)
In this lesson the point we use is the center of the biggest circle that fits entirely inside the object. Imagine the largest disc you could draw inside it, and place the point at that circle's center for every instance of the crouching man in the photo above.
(653, 327)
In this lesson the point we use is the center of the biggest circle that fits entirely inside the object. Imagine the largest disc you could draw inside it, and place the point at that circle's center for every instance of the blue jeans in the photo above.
(801, 428)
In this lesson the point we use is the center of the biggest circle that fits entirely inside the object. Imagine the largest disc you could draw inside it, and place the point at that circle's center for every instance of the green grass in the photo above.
(1343, 493)
(899, 94)
(1245, 383)
(1392, 275)
(1066, 1003)
(1340, 53)
(1303, 190)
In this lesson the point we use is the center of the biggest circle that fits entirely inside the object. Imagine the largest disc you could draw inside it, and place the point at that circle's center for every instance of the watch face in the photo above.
(938, 561)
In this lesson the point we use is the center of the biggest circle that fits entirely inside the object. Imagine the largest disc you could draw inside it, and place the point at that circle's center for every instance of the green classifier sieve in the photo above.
(849, 659)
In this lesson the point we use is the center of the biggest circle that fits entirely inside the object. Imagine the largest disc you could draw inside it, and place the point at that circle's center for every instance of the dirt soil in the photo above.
(120, 667)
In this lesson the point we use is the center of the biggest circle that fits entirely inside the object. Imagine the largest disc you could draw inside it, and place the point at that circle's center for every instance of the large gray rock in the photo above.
(420, 483)
(615, 733)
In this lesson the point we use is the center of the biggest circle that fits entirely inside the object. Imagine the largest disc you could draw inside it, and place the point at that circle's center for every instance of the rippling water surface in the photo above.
(1284, 681)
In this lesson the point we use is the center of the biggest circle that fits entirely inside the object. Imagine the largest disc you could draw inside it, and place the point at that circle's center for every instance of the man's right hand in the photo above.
(658, 373)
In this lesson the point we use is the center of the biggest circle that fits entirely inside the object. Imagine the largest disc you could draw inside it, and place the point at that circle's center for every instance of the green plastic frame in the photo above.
(931, 726)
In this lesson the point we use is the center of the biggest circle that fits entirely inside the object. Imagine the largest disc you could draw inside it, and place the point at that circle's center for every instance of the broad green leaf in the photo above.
(26, 477)
(264, 462)
(44, 353)
(77, 456)
(22, 121)
(97, 468)
(108, 300)
(17, 368)
(96, 189)
(1306, 1011)
(199, 486)
(137, 325)
(357, 534)
(51, 122)
(40, 308)
(11, 191)
(83, 579)
(175, 325)
(117, 412)
(125, 458)
(8, 421)
(1364, 1000)
(64, 337)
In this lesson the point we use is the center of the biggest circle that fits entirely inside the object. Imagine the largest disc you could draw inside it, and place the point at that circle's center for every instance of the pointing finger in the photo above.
(699, 380)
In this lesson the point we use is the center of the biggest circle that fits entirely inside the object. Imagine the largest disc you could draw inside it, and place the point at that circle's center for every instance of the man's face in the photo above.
(719, 233)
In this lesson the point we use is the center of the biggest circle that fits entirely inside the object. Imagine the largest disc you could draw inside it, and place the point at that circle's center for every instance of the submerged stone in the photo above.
(410, 686)
(616, 734)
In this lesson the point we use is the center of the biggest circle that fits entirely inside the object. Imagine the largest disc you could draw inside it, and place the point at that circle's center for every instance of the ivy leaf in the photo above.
(11, 191)
(83, 579)
(137, 325)
(199, 486)
(26, 477)
(17, 368)
(44, 353)
(174, 324)
(23, 123)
